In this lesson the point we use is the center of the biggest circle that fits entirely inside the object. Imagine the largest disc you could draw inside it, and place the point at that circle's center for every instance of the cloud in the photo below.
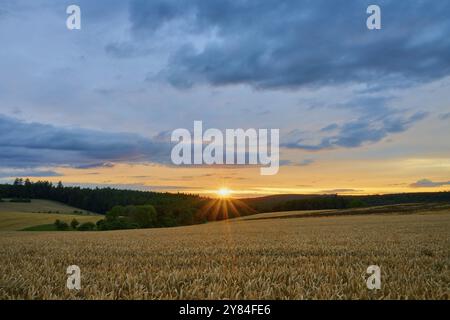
(366, 129)
(125, 50)
(445, 116)
(96, 165)
(291, 43)
(331, 127)
(25, 144)
(285, 162)
(262, 44)
(335, 191)
(306, 162)
(425, 183)
(27, 173)
(136, 186)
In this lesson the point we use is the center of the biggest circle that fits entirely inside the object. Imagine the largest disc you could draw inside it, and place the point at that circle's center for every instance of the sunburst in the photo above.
(224, 193)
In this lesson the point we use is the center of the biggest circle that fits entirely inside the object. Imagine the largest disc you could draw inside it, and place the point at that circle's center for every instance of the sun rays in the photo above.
(224, 207)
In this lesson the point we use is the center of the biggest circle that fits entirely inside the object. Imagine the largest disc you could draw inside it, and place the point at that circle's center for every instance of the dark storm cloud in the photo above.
(292, 43)
(34, 144)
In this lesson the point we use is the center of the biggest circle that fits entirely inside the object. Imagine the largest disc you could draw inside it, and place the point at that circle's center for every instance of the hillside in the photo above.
(265, 202)
(39, 206)
(17, 216)
(399, 209)
(297, 202)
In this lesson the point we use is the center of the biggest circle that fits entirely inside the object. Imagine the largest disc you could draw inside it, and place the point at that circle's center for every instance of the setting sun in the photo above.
(224, 192)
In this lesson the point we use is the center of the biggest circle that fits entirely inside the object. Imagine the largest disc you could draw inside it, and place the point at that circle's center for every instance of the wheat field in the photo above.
(39, 206)
(297, 258)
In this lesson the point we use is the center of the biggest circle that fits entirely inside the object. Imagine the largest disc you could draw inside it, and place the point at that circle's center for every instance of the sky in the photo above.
(359, 111)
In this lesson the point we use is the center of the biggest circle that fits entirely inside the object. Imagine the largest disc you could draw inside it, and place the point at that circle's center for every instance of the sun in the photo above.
(224, 192)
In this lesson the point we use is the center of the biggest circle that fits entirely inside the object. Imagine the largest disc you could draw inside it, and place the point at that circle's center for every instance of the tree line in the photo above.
(324, 202)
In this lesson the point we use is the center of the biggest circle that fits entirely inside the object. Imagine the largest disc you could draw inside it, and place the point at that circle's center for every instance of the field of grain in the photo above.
(18, 216)
(39, 206)
(299, 258)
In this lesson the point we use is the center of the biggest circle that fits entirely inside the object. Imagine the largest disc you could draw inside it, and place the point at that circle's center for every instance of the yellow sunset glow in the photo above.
(323, 176)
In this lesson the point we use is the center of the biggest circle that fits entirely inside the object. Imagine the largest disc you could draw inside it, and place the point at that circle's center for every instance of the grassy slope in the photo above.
(385, 210)
(38, 206)
(17, 216)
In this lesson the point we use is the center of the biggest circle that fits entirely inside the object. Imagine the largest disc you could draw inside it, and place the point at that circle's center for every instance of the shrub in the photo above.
(61, 225)
(115, 213)
(141, 216)
(87, 226)
(129, 217)
(115, 224)
(74, 224)
(356, 203)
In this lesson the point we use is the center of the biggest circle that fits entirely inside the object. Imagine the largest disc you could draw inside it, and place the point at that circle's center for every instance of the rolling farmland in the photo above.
(18, 216)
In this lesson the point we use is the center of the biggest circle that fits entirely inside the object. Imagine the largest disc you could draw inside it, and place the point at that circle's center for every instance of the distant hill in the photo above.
(18, 216)
(40, 206)
(397, 209)
(294, 202)
(262, 203)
